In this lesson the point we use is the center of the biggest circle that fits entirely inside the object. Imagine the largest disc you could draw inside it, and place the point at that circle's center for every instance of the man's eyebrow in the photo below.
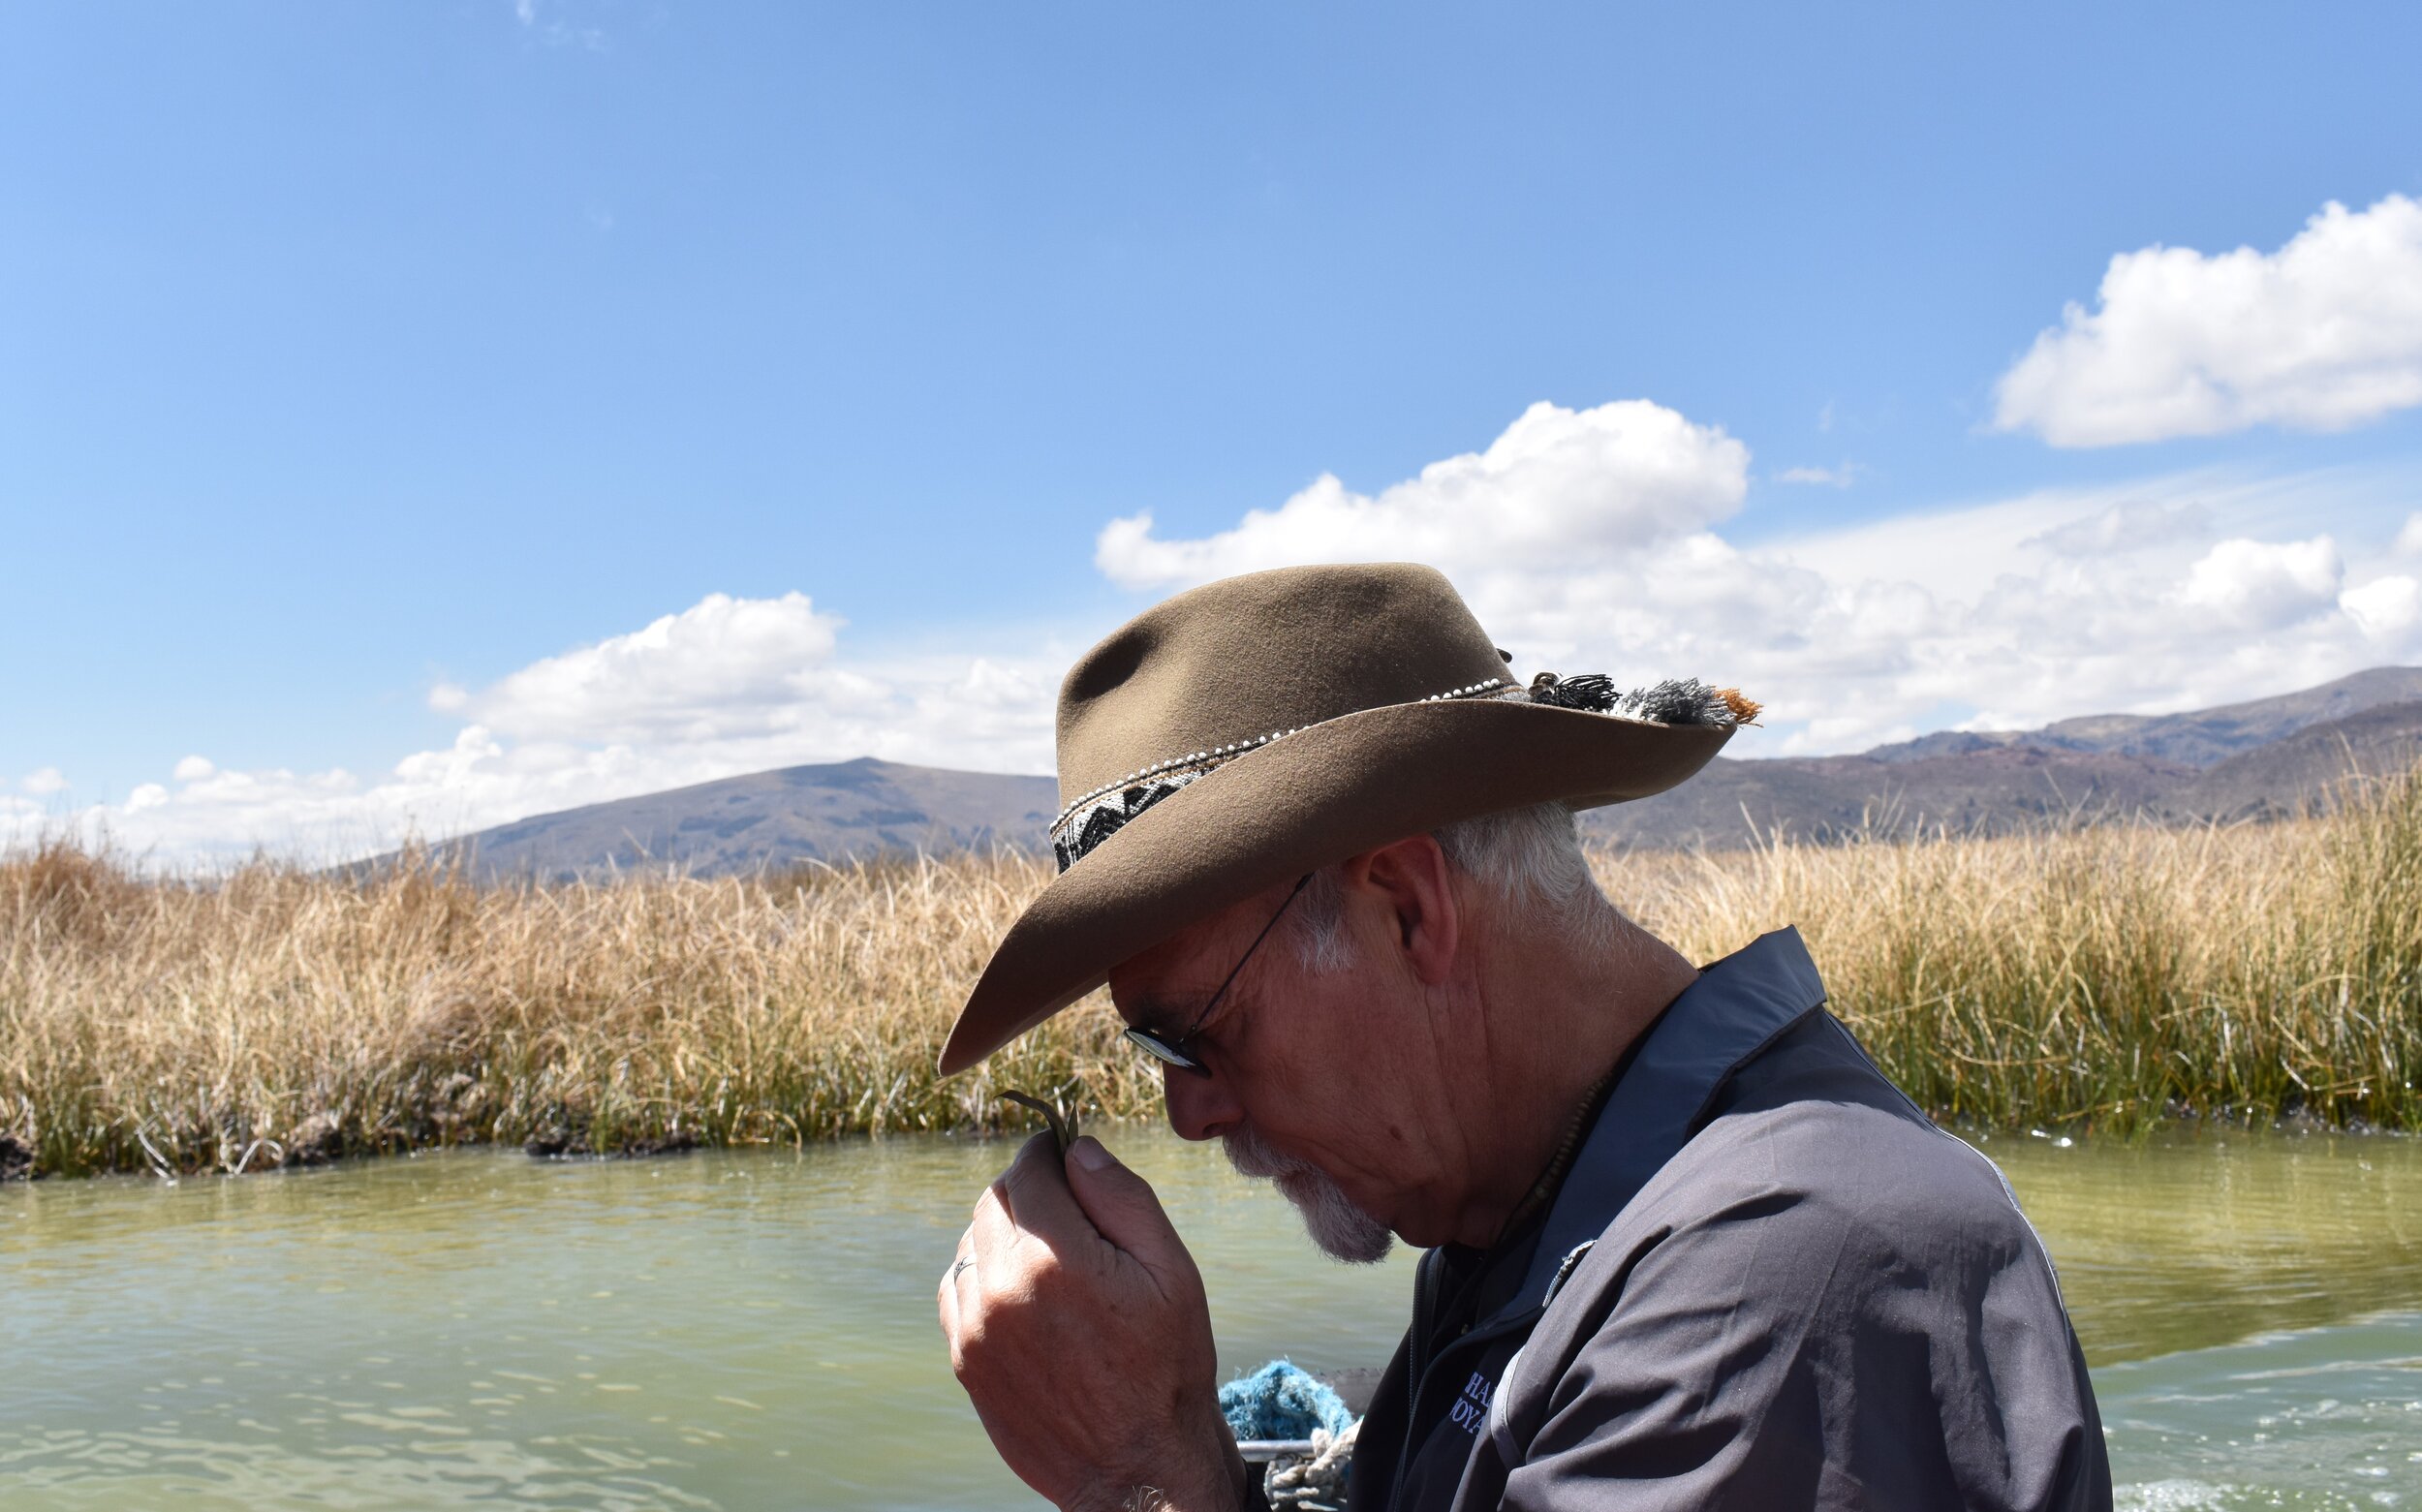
(1159, 1016)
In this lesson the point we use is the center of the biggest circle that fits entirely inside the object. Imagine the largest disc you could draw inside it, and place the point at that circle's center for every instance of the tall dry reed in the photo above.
(2102, 976)
(272, 1013)
(2099, 977)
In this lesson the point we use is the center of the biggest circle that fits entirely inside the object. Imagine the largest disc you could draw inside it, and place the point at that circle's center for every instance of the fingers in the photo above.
(1090, 1207)
(1124, 1209)
(995, 1231)
(1087, 1368)
(946, 1297)
(1033, 1196)
(1026, 1224)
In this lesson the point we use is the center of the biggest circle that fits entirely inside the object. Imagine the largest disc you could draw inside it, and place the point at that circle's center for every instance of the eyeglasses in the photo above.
(1175, 1052)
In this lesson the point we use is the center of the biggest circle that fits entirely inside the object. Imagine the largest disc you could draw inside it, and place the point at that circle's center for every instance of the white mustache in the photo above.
(1341, 1229)
(1252, 1156)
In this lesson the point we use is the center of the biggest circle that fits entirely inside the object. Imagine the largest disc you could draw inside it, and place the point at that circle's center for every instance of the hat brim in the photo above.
(1310, 800)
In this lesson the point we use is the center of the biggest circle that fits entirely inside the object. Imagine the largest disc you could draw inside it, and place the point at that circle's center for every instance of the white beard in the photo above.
(1342, 1230)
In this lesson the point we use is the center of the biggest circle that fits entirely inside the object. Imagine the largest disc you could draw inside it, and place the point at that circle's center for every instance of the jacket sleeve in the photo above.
(1840, 1338)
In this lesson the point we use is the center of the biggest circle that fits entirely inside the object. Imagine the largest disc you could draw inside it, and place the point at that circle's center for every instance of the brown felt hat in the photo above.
(1253, 730)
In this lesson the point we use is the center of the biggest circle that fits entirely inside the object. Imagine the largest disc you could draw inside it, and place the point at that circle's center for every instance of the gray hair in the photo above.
(1528, 859)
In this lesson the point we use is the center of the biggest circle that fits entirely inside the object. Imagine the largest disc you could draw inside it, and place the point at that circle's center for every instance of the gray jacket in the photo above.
(1768, 1281)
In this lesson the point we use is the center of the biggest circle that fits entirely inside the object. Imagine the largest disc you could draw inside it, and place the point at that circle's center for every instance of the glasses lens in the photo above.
(1160, 1049)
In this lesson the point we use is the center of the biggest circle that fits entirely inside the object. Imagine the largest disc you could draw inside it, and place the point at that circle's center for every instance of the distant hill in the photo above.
(1999, 785)
(839, 812)
(2202, 738)
(2259, 760)
(1730, 803)
(2285, 776)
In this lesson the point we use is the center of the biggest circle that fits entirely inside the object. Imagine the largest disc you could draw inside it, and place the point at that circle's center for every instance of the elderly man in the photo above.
(1686, 1247)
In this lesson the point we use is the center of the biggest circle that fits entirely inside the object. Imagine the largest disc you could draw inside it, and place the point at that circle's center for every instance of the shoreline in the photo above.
(2087, 979)
(2178, 1128)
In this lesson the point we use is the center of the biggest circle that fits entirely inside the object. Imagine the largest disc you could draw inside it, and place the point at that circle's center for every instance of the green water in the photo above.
(755, 1330)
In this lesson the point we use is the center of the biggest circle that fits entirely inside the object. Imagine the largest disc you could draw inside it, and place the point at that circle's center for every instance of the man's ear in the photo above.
(1410, 881)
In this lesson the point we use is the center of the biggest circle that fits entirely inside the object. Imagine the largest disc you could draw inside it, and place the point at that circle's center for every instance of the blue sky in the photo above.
(371, 375)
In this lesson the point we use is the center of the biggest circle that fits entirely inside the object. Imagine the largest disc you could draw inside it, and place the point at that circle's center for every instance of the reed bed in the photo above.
(2094, 977)
(2103, 976)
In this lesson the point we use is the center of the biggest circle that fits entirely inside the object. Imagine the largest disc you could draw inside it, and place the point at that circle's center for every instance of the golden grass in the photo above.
(2105, 976)
(2096, 976)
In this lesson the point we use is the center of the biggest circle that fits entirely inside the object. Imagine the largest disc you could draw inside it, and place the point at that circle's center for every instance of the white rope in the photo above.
(1318, 1483)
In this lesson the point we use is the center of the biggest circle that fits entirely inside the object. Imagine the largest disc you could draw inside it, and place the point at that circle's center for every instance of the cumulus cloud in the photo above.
(2322, 335)
(2173, 593)
(2386, 608)
(2264, 585)
(1594, 539)
(1560, 485)
(721, 667)
(43, 782)
(724, 687)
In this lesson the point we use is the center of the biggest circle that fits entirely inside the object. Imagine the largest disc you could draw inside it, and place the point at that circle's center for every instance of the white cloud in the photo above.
(43, 781)
(2386, 608)
(1821, 477)
(2130, 525)
(2409, 542)
(1560, 486)
(725, 687)
(2264, 585)
(1588, 541)
(724, 666)
(2322, 335)
(2164, 594)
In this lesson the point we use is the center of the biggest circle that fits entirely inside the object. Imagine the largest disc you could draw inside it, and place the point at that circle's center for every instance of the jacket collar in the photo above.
(1737, 1008)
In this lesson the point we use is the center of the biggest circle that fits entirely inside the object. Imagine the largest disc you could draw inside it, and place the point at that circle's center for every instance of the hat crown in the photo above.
(1248, 657)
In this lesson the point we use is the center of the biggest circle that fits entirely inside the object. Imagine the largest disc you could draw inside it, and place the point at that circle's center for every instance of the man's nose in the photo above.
(1200, 1107)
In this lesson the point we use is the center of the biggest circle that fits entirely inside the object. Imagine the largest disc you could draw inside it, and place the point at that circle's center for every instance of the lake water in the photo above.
(755, 1330)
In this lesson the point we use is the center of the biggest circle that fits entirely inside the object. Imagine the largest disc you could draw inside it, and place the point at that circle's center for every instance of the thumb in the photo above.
(1123, 1206)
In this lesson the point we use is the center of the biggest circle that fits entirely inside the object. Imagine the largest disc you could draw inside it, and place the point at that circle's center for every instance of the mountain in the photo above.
(2198, 739)
(2259, 760)
(1995, 787)
(1732, 803)
(843, 811)
(2283, 777)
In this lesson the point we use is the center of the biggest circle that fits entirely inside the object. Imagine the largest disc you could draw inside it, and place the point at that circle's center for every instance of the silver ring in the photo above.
(962, 1265)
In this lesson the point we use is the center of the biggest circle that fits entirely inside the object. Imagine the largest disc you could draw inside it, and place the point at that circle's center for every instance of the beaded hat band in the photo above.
(1242, 733)
(1097, 816)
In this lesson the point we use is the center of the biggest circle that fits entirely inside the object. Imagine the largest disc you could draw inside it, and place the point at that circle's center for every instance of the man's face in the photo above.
(1337, 1224)
(1310, 1086)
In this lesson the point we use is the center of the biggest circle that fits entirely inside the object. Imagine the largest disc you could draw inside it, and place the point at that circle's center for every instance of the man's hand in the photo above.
(1078, 1324)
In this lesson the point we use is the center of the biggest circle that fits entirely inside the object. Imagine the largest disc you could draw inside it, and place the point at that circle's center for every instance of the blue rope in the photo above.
(1282, 1402)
